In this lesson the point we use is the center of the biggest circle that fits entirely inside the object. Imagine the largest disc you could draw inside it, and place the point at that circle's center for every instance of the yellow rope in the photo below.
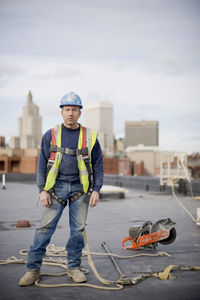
(117, 288)
(53, 250)
(60, 251)
(90, 261)
(165, 274)
(102, 280)
(12, 260)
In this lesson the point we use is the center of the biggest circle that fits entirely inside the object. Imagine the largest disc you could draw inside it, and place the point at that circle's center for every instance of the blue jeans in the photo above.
(50, 217)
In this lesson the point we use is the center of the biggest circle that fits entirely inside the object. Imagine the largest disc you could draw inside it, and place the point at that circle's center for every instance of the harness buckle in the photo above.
(86, 158)
(51, 162)
(53, 148)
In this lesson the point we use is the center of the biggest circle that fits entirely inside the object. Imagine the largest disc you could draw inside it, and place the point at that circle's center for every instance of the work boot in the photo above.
(76, 275)
(29, 278)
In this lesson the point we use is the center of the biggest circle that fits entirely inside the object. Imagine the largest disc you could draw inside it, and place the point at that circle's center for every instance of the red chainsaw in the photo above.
(149, 234)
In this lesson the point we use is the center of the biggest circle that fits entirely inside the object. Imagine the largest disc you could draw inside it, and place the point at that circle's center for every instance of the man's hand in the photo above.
(94, 199)
(45, 198)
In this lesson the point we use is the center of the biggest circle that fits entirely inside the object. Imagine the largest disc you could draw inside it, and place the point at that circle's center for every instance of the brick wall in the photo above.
(139, 169)
(116, 166)
(28, 164)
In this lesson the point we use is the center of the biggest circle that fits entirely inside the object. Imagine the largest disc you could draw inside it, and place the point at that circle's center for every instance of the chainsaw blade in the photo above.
(165, 224)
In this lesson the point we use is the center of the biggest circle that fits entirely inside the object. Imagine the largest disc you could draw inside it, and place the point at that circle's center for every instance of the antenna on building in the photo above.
(29, 98)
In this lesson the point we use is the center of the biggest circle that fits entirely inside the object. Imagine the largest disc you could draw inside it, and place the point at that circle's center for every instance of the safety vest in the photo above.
(86, 142)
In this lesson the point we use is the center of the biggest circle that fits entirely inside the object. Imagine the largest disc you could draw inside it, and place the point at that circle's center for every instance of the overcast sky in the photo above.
(141, 55)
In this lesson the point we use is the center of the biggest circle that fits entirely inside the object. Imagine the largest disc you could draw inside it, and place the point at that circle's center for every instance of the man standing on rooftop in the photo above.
(70, 171)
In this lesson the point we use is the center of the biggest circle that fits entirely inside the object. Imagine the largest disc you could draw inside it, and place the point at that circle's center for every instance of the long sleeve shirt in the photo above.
(69, 171)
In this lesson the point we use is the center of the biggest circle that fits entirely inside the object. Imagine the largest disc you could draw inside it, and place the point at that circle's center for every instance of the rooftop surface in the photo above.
(110, 222)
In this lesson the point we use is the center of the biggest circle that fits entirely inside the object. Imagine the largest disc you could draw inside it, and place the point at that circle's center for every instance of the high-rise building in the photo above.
(29, 127)
(99, 116)
(141, 132)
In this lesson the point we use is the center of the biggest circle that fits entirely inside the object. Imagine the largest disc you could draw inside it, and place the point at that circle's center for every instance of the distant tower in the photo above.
(141, 132)
(30, 125)
(99, 116)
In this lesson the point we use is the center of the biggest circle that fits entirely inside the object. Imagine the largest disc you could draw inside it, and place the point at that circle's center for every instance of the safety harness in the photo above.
(84, 152)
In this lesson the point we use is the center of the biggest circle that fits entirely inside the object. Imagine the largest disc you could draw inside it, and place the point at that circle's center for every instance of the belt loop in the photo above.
(69, 187)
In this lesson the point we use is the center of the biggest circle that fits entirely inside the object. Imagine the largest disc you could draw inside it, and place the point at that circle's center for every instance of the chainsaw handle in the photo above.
(125, 240)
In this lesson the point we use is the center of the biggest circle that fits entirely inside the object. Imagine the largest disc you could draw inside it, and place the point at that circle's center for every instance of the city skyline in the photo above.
(142, 56)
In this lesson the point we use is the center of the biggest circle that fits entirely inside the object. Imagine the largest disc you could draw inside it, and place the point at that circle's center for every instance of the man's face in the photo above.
(70, 115)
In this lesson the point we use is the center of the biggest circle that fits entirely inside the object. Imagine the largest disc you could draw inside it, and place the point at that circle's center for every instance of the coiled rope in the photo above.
(118, 284)
(53, 250)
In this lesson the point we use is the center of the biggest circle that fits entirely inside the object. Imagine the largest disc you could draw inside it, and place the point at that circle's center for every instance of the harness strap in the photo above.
(85, 156)
(52, 154)
(69, 151)
(71, 199)
(84, 137)
(56, 197)
(53, 143)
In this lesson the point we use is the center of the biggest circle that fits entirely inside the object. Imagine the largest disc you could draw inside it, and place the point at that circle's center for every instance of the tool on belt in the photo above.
(148, 234)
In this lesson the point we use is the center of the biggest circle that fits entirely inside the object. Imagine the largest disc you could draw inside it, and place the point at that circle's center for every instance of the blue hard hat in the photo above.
(71, 99)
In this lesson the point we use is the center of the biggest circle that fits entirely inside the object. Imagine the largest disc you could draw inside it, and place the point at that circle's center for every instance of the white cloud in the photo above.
(141, 55)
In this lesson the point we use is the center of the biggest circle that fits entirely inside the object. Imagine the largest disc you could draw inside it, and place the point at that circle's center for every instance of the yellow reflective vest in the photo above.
(90, 137)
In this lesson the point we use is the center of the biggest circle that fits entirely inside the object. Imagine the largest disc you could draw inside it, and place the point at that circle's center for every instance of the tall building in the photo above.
(99, 116)
(29, 127)
(141, 132)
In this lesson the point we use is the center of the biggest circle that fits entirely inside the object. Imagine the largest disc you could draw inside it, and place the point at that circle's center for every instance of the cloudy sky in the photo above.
(141, 55)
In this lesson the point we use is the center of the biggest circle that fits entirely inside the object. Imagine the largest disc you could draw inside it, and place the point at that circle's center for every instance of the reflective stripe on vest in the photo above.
(83, 173)
(90, 140)
(53, 172)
